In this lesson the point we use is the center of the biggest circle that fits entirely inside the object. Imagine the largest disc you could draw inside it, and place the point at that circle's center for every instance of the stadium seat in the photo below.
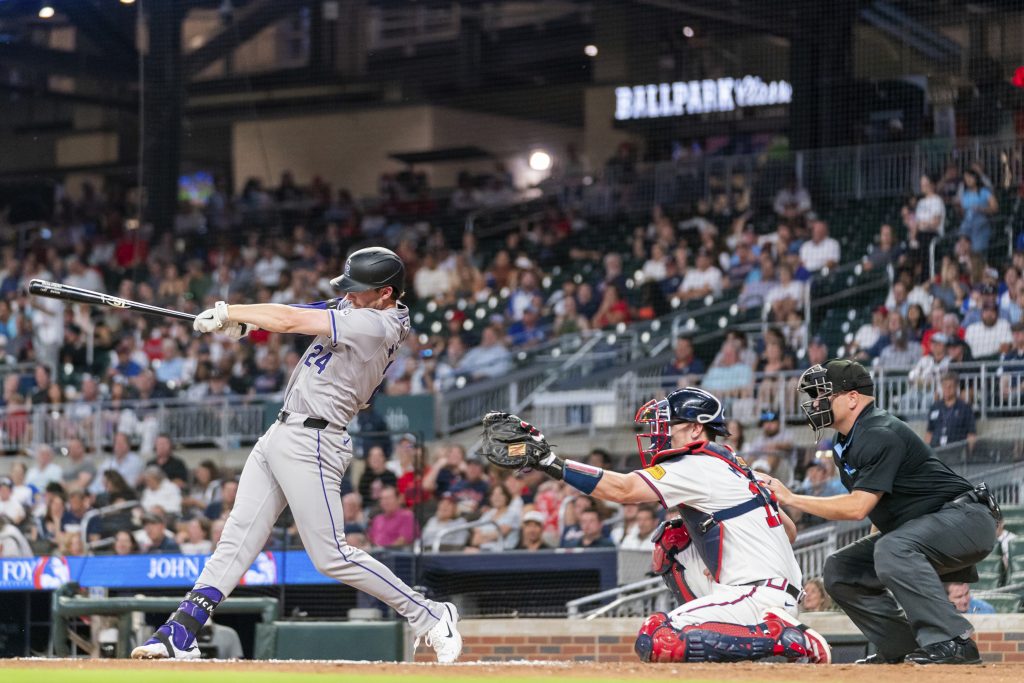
(987, 580)
(1003, 603)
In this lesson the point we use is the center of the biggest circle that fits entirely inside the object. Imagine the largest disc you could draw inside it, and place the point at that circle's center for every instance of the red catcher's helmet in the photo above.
(681, 406)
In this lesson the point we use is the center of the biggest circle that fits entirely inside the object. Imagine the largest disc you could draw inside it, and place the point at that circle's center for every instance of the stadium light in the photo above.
(688, 31)
(540, 160)
(46, 12)
(127, 2)
(590, 50)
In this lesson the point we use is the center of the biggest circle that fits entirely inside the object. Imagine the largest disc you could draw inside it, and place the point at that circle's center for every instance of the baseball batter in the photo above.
(747, 610)
(301, 459)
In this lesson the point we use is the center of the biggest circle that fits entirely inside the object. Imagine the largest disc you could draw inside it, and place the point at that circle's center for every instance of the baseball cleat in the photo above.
(444, 636)
(159, 646)
(798, 641)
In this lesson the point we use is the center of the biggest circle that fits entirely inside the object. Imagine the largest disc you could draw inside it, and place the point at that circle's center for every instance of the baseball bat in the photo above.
(56, 290)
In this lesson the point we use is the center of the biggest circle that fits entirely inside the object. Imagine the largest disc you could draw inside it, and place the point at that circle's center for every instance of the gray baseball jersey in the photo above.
(303, 467)
(339, 373)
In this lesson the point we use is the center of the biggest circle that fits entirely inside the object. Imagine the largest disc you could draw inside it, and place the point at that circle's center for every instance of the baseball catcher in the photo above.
(745, 609)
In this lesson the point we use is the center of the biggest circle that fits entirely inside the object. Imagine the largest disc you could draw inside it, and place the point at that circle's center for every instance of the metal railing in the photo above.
(992, 388)
(225, 422)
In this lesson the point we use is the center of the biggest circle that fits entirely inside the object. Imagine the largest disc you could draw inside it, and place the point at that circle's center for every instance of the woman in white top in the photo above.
(928, 220)
(505, 511)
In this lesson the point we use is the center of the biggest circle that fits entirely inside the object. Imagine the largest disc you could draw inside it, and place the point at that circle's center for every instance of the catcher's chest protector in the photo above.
(707, 530)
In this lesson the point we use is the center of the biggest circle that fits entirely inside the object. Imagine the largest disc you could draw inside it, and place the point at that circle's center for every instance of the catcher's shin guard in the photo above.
(779, 635)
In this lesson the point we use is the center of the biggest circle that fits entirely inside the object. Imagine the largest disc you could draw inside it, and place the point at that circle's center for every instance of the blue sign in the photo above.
(148, 571)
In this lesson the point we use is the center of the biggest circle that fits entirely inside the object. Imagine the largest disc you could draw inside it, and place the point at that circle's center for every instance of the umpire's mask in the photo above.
(816, 384)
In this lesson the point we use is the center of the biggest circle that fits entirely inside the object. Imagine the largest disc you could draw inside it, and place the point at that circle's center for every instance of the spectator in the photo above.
(948, 288)
(124, 543)
(773, 440)
(792, 202)
(821, 251)
(394, 526)
(599, 457)
(868, 334)
(173, 466)
(655, 268)
(592, 531)
(505, 510)
(160, 493)
(471, 490)
(984, 294)
(352, 509)
(12, 542)
(959, 594)
(885, 253)
(44, 470)
(684, 368)
(931, 366)
(702, 280)
(431, 281)
(928, 219)
(640, 536)
(729, 377)
(821, 478)
(614, 309)
(977, 203)
(221, 507)
(123, 461)
(446, 470)
(80, 469)
(376, 476)
(490, 359)
(156, 539)
(989, 336)
(195, 538)
(786, 297)
(900, 354)
(528, 331)
(445, 519)
(950, 419)
(205, 487)
(10, 508)
(171, 368)
(736, 439)
(531, 532)
(815, 597)
(1012, 374)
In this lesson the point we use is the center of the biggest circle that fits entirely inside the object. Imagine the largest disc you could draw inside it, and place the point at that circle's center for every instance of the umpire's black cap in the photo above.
(372, 268)
(849, 375)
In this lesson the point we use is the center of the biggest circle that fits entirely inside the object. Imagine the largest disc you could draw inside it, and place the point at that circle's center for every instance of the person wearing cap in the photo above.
(930, 366)
(951, 419)
(157, 541)
(773, 445)
(989, 336)
(531, 532)
(932, 524)
(984, 294)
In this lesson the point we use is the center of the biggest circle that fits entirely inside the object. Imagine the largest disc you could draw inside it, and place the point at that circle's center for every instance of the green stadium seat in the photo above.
(991, 564)
(987, 581)
(1003, 603)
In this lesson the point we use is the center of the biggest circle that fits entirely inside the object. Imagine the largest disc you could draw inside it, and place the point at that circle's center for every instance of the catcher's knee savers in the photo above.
(713, 641)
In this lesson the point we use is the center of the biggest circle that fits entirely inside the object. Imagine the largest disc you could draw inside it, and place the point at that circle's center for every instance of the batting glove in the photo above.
(236, 331)
(212, 319)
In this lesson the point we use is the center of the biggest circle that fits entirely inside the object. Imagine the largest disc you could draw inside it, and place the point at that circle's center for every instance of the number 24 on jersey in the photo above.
(318, 358)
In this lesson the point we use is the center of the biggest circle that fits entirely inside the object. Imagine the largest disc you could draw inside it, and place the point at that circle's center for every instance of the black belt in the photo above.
(308, 423)
(786, 586)
(981, 494)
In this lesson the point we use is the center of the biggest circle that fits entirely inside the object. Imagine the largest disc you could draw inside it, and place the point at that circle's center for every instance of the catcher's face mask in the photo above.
(655, 416)
(818, 409)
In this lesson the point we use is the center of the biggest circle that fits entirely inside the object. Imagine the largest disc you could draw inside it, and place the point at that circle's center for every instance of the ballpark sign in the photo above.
(659, 100)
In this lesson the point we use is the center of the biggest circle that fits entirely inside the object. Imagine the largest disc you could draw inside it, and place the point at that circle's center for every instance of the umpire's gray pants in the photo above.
(891, 585)
(301, 467)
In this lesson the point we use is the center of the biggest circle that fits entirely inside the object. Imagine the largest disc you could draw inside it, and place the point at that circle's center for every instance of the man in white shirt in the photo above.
(821, 251)
(10, 508)
(703, 280)
(990, 335)
(641, 535)
(123, 460)
(159, 492)
(45, 470)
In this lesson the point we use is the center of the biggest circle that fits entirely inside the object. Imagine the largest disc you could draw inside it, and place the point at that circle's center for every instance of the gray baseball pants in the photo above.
(301, 467)
(890, 585)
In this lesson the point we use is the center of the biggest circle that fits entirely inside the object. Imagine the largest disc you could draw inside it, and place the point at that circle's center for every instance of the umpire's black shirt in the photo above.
(883, 455)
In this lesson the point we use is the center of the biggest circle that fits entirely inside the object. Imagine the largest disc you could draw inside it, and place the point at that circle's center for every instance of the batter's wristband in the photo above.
(581, 476)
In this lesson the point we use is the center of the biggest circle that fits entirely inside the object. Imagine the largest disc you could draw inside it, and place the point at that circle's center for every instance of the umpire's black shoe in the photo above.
(879, 659)
(956, 651)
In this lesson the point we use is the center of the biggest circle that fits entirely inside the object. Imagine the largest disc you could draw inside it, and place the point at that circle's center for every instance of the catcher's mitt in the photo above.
(511, 443)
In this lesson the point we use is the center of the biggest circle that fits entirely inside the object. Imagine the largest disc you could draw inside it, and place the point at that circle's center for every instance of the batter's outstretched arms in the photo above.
(271, 317)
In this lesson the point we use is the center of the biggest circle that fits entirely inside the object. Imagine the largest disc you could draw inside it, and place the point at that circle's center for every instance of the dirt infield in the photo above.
(466, 671)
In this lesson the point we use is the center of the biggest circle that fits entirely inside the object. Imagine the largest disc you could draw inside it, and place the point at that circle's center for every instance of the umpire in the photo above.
(929, 524)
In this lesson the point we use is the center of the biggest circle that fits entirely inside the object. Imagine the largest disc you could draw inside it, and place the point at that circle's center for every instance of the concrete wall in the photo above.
(349, 149)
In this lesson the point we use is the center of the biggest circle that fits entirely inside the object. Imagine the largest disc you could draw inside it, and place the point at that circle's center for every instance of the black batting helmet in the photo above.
(372, 268)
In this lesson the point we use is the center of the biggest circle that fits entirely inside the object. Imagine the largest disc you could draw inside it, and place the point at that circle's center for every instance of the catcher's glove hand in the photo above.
(511, 443)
